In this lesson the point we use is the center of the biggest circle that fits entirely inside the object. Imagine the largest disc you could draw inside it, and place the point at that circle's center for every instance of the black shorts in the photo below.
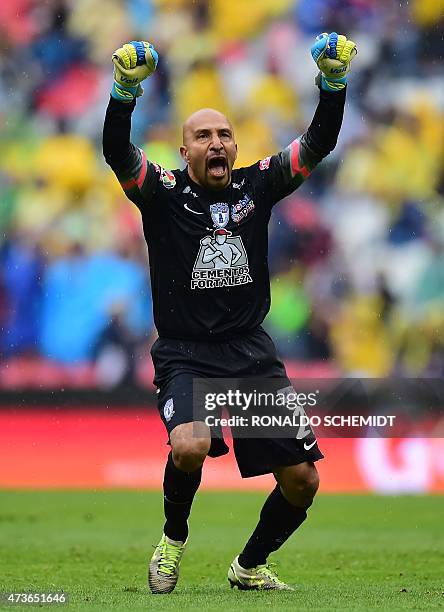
(178, 362)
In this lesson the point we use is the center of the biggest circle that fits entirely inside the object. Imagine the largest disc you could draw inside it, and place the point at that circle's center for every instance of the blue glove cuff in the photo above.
(123, 93)
(333, 84)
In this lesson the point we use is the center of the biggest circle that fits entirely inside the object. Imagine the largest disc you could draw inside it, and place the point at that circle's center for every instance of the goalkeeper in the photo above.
(206, 230)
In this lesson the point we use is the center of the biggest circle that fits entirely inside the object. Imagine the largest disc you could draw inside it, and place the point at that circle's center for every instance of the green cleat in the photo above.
(260, 578)
(163, 570)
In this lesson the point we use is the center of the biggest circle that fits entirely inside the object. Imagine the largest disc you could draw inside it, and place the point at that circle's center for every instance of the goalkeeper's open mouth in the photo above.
(217, 166)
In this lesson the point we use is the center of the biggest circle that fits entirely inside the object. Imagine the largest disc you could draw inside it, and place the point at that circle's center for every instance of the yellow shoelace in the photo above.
(169, 558)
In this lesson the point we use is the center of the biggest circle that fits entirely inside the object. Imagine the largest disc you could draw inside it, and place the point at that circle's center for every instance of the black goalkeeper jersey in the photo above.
(208, 249)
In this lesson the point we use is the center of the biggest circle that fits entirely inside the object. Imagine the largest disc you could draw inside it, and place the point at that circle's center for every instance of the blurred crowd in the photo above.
(356, 254)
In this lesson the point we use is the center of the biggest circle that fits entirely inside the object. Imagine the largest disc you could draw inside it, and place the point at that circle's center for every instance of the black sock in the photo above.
(179, 489)
(278, 520)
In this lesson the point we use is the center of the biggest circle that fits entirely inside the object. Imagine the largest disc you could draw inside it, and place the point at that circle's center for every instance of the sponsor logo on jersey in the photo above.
(168, 410)
(238, 185)
(243, 208)
(264, 164)
(188, 190)
(221, 262)
(220, 213)
(168, 179)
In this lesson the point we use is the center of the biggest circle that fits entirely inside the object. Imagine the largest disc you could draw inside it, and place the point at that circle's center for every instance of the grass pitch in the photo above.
(353, 553)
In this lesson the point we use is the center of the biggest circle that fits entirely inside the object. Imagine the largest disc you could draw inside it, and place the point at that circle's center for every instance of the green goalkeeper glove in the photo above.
(133, 63)
(333, 54)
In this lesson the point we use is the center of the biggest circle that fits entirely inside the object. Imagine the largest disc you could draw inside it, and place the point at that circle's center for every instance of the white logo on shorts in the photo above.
(168, 410)
(308, 446)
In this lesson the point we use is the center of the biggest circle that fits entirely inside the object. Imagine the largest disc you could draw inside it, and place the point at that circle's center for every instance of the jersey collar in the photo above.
(208, 193)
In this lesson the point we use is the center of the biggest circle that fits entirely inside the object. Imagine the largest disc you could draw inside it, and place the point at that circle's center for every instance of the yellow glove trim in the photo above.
(345, 50)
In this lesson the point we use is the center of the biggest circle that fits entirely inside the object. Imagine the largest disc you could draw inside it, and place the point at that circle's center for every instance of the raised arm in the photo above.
(333, 54)
(289, 168)
(304, 153)
(133, 63)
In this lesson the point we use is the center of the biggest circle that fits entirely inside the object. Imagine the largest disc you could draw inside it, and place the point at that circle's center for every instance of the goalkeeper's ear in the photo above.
(184, 153)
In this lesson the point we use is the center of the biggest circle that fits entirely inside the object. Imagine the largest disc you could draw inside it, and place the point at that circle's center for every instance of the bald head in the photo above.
(204, 117)
(209, 148)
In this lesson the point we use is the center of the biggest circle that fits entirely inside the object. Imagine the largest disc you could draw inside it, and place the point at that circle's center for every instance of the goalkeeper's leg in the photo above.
(182, 478)
(284, 511)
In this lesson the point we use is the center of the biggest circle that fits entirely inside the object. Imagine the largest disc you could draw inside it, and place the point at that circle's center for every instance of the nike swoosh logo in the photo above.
(308, 446)
(191, 210)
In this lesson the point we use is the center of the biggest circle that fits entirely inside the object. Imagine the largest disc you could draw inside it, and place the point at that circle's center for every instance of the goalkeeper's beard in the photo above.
(210, 174)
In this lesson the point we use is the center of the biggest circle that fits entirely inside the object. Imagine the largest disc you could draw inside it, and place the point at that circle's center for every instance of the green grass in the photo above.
(353, 553)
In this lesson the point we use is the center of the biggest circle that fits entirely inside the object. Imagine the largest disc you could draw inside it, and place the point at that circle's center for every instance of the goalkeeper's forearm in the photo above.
(322, 135)
(118, 150)
(133, 63)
